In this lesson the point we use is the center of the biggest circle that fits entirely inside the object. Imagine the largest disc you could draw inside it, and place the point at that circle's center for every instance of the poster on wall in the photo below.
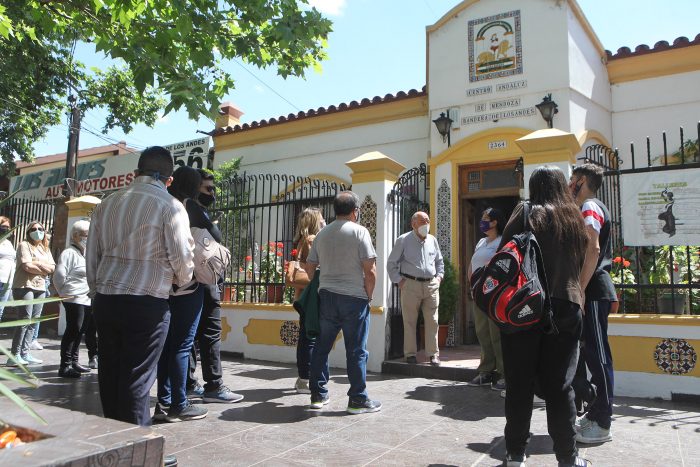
(103, 175)
(660, 208)
(495, 48)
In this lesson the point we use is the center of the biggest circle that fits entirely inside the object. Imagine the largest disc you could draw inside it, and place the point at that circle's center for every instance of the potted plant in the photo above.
(449, 300)
(671, 267)
(621, 274)
(271, 270)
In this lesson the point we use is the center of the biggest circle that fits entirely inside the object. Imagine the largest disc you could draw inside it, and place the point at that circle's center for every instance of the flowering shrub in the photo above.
(621, 273)
(272, 262)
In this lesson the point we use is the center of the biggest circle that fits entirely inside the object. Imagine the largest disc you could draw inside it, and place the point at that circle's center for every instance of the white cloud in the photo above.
(259, 89)
(329, 7)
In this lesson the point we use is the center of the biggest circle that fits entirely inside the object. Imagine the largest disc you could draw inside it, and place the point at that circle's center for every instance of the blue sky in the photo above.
(377, 47)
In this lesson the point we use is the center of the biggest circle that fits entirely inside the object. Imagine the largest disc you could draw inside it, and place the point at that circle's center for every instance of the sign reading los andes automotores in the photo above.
(110, 173)
(660, 208)
(495, 49)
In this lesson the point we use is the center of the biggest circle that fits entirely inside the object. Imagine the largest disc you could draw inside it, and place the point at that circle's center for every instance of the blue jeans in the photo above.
(5, 290)
(173, 365)
(305, 348)
(351, 315)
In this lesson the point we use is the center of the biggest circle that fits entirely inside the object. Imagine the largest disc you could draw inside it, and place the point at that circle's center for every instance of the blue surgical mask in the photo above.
(484, 226)
(37, 235)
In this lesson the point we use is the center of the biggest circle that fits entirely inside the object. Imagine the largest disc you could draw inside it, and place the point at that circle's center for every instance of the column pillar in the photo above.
(547, 147)
(373, 176)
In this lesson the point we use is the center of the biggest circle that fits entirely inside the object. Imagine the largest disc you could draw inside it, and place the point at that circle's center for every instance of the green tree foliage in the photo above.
(449, 294)
(171, 49)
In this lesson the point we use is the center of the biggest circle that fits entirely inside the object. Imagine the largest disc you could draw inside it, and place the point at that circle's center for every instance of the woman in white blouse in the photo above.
(491, 365)
(34, 263)
(7, 263)
(70, 281)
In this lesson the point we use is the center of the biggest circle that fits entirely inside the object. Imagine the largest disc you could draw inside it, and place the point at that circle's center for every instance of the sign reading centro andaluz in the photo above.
(110, 173)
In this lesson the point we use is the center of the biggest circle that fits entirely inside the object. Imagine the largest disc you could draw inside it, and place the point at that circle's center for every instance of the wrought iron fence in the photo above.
(22, 211)
(650, 279)
(257, 217)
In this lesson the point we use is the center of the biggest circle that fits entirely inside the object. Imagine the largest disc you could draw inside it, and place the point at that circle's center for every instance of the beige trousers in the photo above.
(417, 296)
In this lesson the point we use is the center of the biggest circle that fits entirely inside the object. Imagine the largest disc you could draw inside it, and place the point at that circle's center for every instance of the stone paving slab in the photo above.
(423, 422)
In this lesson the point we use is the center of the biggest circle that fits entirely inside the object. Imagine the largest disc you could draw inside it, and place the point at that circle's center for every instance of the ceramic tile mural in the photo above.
(443, 219)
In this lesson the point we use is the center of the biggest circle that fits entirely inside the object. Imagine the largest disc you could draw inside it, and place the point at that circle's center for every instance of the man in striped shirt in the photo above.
(139, 246)
(599, 289)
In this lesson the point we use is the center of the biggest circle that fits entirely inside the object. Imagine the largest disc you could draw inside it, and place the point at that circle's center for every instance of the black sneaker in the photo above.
(160, 412)
(189, 412)
(363, 406)
(68, 372)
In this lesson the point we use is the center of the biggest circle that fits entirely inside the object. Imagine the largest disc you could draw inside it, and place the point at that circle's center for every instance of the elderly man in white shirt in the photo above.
(416, 264)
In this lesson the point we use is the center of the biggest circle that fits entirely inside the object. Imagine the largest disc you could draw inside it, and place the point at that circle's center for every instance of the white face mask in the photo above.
(83, 243)
(37, 235)
(423, 230)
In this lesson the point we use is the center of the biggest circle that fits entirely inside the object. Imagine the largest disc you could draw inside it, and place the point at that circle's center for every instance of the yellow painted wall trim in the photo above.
(471, 150)
(549, 145)
(478, 147)
(576, 9)
(274, 332)
(636, 354)
(374, 176)
(594, 135)
(657, 320)
(364, 116)
(241, 307)
(548, 157)
(274, 307)
(449, 15)
(654, 65)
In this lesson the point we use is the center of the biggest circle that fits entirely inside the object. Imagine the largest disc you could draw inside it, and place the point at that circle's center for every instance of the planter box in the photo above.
(75, 439)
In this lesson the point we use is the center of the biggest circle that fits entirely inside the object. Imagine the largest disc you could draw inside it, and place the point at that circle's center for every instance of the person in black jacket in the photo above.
(208, 337)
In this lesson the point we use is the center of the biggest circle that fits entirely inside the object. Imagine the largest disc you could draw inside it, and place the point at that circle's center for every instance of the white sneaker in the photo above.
(35, 345)
(302, 386)
(18, 360)
(32, 360)
(514, 461)
(503, 394)
(593, 433)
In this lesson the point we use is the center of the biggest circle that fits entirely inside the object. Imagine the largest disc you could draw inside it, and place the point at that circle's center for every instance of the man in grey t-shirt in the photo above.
(343, 250)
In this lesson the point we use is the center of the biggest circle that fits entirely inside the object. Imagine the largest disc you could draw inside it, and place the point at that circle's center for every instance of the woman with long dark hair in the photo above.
(185, 310)
(534, 357)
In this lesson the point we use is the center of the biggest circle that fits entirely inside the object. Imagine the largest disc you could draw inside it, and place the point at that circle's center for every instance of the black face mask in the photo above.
(206, 199)
(4, 229)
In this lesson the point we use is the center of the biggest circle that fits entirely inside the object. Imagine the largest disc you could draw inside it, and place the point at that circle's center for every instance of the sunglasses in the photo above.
(35, 229)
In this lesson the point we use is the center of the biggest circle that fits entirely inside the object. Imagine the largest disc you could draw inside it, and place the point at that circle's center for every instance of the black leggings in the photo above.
(76, 314)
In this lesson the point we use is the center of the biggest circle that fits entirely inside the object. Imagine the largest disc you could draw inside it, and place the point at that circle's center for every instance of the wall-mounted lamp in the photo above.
(548, 108)
(443, 124)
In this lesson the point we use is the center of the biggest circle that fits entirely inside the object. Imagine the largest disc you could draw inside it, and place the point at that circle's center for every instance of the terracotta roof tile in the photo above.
(366, 102)
(643, 49)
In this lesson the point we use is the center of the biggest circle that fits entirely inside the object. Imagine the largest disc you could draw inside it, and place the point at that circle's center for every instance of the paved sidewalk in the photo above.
(423, 422)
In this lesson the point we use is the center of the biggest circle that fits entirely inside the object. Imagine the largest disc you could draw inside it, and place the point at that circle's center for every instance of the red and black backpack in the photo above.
(512, 288)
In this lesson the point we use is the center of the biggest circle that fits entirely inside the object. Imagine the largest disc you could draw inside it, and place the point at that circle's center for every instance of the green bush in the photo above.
(449, 295)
